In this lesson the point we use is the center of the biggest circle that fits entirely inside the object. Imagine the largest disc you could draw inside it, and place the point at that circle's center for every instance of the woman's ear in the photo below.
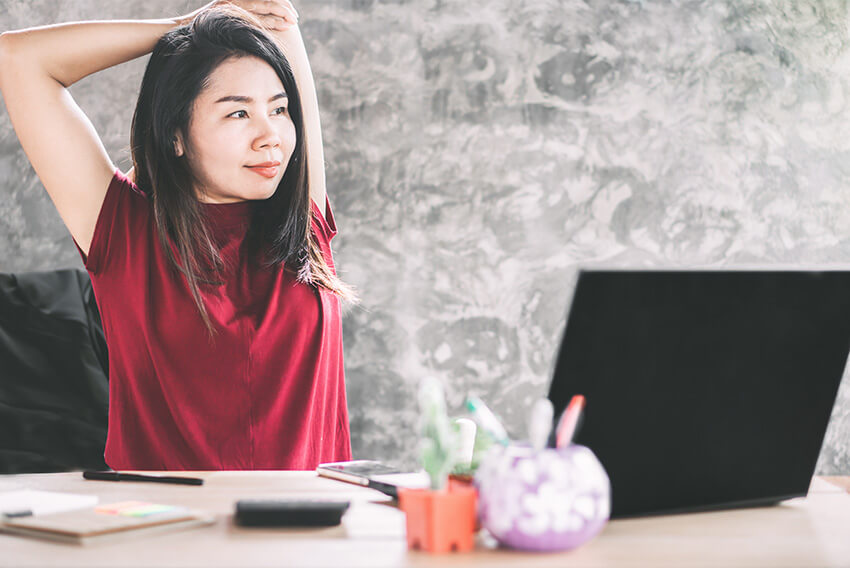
(177, 141)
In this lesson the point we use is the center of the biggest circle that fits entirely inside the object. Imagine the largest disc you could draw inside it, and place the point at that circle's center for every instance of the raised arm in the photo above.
(293, 47)
(289, 39)
(36, 67)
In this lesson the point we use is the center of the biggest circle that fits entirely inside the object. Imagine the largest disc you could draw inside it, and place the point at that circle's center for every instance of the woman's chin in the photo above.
(262, 190)
(259, 193)
(267, 194)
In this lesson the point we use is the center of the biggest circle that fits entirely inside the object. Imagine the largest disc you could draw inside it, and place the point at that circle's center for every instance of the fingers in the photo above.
(288, 5)
(274, 14)
(274, 23)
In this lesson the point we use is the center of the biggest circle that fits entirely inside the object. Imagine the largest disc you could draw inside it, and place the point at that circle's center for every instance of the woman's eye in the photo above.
(277, 111)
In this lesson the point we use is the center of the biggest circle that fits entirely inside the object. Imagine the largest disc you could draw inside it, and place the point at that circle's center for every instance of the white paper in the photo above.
(44, 502)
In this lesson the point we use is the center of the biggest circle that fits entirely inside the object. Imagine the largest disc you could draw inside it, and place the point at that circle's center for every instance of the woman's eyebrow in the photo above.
(244, 99)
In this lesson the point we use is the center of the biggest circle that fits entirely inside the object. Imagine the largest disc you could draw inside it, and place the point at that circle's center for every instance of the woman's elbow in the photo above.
(7, 43)
(7, 53)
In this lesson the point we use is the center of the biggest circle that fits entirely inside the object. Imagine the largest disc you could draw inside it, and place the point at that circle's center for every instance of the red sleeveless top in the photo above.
(270, 392)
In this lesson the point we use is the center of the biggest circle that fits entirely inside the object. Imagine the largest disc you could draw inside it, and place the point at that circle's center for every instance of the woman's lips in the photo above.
(265, 171)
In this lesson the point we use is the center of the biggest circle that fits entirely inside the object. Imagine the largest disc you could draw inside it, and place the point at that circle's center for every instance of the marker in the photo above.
(568, 422)
(115, 476)
(487, 420)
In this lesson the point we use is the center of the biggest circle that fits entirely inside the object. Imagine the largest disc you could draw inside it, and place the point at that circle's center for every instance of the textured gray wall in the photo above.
(480, 151)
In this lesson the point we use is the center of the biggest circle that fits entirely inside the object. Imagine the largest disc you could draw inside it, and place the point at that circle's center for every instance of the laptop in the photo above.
(705, 389)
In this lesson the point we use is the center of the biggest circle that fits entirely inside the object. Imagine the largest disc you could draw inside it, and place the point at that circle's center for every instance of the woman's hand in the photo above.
(274, 15)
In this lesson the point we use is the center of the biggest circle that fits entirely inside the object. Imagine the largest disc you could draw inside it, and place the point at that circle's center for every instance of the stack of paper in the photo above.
(43, 502)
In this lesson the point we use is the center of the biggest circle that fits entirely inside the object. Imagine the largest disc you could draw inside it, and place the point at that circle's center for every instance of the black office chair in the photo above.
(53, 373)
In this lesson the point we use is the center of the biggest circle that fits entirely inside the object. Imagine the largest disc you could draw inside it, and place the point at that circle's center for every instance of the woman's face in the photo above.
(239, 124)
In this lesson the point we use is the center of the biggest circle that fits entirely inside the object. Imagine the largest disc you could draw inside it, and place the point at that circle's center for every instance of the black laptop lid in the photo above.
(705, 389)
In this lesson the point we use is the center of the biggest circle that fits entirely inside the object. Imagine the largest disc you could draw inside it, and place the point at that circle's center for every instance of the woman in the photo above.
(210, 259)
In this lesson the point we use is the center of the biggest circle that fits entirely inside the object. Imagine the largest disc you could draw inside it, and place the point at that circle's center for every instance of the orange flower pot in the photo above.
(440, 521)
(456, 481)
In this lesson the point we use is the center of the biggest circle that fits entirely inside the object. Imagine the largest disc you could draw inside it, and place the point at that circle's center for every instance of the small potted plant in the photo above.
(441, 518)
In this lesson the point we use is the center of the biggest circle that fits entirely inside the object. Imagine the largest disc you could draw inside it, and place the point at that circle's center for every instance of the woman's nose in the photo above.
(267, 137)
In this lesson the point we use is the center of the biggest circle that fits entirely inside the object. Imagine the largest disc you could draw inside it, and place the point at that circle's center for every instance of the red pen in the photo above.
(569, 420)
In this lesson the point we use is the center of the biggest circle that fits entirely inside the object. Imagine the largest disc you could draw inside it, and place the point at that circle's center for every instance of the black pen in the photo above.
(116, 476)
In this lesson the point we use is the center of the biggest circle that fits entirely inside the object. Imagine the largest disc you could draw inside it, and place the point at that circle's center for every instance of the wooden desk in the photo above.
(811, 531)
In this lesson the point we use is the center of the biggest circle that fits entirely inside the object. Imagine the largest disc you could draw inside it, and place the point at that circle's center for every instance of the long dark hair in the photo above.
(280, 230)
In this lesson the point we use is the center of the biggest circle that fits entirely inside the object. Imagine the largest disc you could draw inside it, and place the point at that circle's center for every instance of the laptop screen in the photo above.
(704, 389)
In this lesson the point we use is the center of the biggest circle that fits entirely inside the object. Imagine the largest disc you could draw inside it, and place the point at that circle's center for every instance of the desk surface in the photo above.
(810, 531)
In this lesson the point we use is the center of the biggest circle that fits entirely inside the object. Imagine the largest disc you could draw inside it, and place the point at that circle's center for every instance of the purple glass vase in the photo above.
(551, 499)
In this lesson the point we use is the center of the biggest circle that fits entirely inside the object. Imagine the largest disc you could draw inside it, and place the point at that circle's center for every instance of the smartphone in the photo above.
(377, 475)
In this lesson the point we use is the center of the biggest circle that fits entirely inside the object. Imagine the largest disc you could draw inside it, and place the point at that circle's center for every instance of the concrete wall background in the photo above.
(480, 151)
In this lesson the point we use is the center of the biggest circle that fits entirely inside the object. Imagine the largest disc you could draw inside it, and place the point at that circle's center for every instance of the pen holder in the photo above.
(551, 499)
(440, 520)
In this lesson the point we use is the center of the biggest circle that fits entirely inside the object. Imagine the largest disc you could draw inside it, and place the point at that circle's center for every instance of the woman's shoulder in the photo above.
(324, 219)
(123, 216)
(129, 180)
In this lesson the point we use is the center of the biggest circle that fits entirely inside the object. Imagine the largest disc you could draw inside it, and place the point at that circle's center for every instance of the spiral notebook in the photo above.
(107, 522)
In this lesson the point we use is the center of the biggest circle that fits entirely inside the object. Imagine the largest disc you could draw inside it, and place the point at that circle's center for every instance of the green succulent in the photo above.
(439, 445)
